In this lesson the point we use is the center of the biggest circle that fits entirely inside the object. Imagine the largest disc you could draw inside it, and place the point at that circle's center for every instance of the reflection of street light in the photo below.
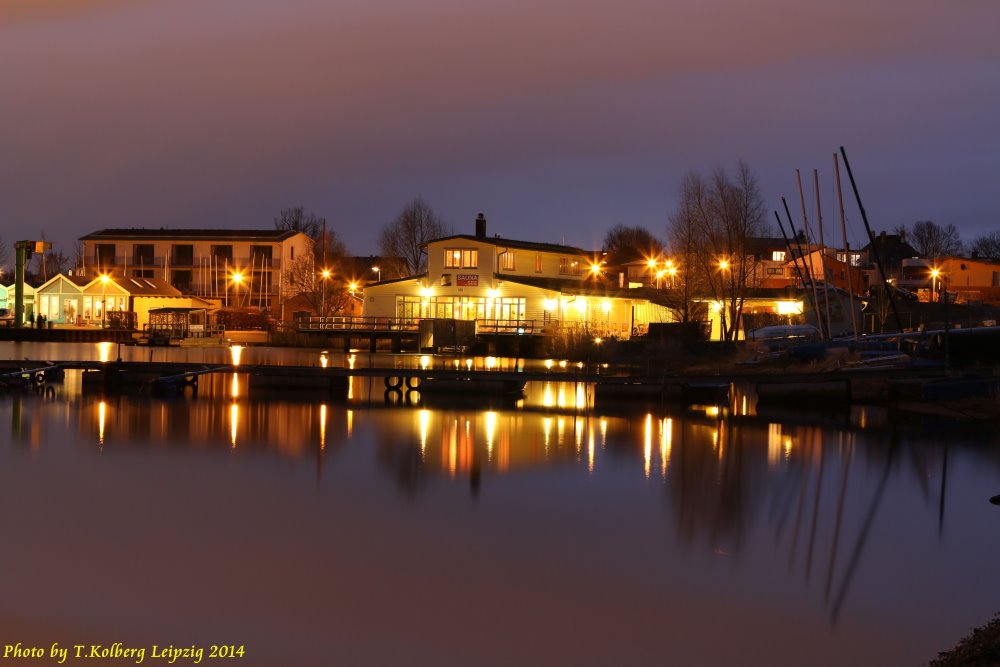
(326, 276)
(378, 271)
(105, 279)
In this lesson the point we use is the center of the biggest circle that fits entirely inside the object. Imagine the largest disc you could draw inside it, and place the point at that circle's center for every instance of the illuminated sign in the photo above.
(467, 280)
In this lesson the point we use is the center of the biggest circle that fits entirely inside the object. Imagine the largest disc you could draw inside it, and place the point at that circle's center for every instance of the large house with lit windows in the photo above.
(512, 285)
(237, 267)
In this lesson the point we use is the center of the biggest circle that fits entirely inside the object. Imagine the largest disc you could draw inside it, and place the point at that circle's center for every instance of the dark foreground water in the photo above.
(320, 533)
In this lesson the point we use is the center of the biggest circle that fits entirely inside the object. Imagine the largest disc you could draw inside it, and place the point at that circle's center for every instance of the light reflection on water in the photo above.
(668, 535)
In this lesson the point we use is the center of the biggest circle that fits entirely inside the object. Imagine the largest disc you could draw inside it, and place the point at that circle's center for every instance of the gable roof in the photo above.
(522, 245)
(163, 233)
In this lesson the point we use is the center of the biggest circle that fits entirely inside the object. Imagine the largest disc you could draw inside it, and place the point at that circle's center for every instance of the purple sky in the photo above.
(556, 118)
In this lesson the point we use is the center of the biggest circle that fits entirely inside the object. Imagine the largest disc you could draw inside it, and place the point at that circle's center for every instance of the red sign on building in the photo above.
(467, 280)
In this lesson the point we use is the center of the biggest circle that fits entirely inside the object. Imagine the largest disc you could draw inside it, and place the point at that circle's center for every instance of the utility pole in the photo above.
(23, 251)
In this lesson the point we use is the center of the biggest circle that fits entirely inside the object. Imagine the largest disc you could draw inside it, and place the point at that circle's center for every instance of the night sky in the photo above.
(556, 118)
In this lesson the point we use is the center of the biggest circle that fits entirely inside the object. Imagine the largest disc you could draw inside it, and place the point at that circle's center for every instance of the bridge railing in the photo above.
(356, 323)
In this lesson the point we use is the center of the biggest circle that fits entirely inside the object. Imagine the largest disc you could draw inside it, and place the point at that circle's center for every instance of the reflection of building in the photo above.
(522, 285)
(202, 262)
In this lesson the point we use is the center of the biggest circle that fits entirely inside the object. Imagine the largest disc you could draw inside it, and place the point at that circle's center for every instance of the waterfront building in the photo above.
(81, 300)
(248, 267)
(517, 286)
(7, 299)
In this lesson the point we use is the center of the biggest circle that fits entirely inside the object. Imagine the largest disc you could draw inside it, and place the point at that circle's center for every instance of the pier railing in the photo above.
(354, 323)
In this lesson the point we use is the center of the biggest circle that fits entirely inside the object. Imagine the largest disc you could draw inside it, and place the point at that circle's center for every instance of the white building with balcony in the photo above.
(508, 285)
(237, 267)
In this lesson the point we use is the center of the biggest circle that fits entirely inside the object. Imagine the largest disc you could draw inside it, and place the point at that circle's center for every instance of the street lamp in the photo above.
(378, 271)
(672, 272)
(237, 281)
(326, 276)
(935, 273)
(105, 279)
(659, 276)
(724, 264)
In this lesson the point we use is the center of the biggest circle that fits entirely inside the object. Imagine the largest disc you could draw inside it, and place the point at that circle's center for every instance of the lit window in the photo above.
(470, 259)
(563, 265)
(452, 259)
(507, 260)
(778, 256)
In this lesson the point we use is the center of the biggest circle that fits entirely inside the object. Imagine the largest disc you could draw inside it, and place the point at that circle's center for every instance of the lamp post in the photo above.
(105, 279)
(378, 271)
(935, 273)
(326, 276)
(237, 281)
(672, 272)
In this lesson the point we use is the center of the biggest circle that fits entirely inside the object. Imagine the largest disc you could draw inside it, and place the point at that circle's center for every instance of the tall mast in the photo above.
(822, 253)
(847, 247)
(791, 227)
(871, 240)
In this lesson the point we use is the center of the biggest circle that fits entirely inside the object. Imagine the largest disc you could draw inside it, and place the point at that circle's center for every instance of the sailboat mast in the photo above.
(822, 253)
(847, 247)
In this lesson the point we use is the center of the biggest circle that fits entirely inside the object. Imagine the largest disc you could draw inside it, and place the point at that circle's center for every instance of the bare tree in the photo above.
(932, 240)
(5, 265)
(324, 295)
(711, 228)
(407, 235)
(632, 242)
(987, 245)
(327, 246)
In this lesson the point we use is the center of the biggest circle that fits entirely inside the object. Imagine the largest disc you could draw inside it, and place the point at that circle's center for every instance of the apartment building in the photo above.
(240, 268)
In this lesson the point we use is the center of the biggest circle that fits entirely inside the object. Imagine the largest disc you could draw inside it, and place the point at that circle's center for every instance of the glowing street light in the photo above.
(237, 280)
(935, 274)
(378, 271)
(723, 264)
(326, 277)
(672, 272)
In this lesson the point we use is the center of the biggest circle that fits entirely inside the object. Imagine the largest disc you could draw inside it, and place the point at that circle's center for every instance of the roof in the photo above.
(134, 233)
(523, 245)
(146, 286)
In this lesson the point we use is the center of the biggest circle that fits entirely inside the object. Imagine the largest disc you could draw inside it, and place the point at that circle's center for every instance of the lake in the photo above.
(553, 531)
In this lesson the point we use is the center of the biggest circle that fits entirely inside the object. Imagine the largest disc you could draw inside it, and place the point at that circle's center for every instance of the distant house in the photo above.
(964, 279)
(891, 249)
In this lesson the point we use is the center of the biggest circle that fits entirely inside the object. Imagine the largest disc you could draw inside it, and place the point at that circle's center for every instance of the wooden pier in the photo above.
(166, 378)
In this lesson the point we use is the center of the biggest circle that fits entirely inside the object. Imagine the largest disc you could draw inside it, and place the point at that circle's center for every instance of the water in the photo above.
(359, 533)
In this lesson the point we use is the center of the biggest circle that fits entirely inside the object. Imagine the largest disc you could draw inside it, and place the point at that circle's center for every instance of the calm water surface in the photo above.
(320, 533)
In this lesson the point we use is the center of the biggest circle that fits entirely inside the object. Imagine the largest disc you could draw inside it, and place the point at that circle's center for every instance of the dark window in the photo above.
(182, 255)
(142, 254)
(260, 256)
(181, 280)
(105, 256)
(223, 253)
(143, 273)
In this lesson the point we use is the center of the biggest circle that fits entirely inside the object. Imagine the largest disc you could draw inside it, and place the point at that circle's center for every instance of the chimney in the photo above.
(481, 226)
